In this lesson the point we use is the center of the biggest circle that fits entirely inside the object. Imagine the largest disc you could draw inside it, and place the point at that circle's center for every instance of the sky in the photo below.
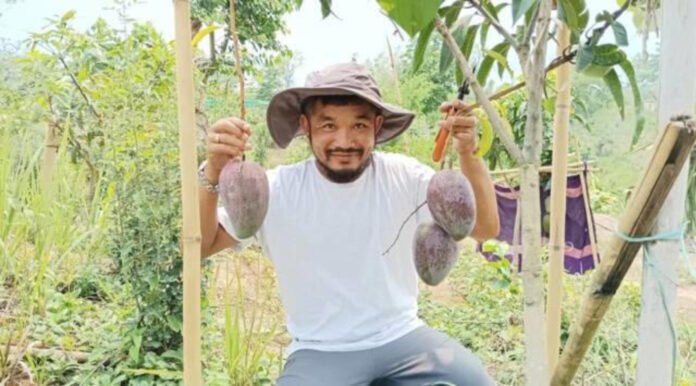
(361, 32)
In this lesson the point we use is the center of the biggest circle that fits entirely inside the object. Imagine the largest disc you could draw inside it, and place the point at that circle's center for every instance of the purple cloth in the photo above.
(578, 251)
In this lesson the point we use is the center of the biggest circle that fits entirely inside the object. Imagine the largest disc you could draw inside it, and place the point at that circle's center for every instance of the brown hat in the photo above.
(284, 110)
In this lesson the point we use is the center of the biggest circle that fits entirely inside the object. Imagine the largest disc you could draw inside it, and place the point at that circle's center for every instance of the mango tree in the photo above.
(523, 35)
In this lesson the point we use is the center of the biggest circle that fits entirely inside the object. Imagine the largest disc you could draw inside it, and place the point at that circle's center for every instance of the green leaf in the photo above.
(497, 53)
(68, 16)
(627, 68)
(483, 33)
(421, 46)
(620, 33)
(611, 79)
(469, 39)
(585, 56)
(574, 14)
(494, 10)
(502, 60)
(446, 56)
(411, 15)
(450, 13)
(325, 8)
(520, 7)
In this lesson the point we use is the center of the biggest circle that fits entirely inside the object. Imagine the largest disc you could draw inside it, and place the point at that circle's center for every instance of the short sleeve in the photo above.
(421, 174)
(224, 220)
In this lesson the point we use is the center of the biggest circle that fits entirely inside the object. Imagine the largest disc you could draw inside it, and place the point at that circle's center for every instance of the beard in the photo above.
(340, 176)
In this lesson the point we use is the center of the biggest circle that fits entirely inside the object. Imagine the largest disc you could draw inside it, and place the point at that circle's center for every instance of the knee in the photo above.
(465, 369)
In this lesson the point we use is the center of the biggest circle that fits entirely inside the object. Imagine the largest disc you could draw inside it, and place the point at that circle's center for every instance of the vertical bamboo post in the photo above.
(677, 95)
(191, 237)
(48, 165)
(237, 58)
(559, 178)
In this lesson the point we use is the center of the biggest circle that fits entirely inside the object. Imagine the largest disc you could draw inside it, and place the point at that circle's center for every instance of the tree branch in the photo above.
(600, 31)
(79, 88)
(494, 22)
(481, 96)
(557, 62)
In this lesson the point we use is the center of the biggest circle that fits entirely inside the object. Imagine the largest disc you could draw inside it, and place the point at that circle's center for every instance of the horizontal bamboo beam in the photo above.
(575, 167)
(638, 219)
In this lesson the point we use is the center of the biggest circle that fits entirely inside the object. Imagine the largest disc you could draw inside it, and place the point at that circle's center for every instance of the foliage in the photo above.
(258, 30)
(471, 33)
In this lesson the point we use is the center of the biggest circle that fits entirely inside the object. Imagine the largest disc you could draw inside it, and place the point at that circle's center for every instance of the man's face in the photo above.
(342, 137)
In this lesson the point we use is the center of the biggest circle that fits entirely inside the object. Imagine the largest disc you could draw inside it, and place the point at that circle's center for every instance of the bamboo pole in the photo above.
(191, 237)
(638, 219)
(589, 219)
(48, 166)
(237, 59)
(575, 167)
(559, 181)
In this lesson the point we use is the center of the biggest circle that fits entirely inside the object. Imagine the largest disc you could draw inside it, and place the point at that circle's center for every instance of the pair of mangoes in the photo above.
(452, 204)
(245, 194)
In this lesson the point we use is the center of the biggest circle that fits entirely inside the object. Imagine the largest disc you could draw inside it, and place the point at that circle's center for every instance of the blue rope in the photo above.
(650, 262)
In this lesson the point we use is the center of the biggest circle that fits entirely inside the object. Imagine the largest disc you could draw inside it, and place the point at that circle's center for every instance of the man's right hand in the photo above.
(227, 139)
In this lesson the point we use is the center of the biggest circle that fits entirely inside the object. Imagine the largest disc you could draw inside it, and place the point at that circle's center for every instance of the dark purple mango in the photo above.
(434, 252)
(244, 191)
(452, 203)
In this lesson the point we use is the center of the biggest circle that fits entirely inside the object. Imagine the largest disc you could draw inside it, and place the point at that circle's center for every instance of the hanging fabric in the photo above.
(580, 252)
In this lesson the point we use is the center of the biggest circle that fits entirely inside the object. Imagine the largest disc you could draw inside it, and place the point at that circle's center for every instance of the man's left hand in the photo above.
(461, 124)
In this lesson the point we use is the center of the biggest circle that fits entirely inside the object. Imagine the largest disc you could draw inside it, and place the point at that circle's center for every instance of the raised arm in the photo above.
(227, 139)
(462, 125)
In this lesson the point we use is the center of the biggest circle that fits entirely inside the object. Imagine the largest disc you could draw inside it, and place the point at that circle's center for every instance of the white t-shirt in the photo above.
(326, 241)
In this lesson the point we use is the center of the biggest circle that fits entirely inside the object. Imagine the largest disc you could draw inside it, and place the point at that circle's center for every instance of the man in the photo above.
(351, 309)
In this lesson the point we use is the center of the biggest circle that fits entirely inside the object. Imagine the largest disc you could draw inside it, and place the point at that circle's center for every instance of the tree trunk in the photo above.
(536, 369)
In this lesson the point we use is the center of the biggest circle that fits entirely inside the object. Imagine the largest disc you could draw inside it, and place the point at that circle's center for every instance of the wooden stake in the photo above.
(671, 152)
(191, 236)
(237, 59)
(559, 181)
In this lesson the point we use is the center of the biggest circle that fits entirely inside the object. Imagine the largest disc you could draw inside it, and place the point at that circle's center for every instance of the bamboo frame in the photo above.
(191, 232)
(672, 151)
(559, 181)
(574, 167)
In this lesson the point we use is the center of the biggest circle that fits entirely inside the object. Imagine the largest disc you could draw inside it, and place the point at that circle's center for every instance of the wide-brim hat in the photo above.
(285, 108)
